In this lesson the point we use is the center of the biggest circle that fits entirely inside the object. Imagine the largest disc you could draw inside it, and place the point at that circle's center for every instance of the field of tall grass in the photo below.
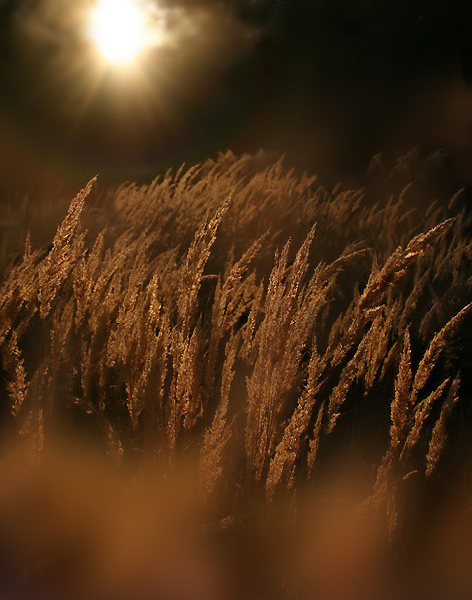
(235, 383)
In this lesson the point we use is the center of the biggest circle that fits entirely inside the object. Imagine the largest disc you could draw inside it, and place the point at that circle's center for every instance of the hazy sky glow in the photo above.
(128, 87)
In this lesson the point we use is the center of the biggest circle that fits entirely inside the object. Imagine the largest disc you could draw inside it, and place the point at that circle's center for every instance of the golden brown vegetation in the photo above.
(252, 324)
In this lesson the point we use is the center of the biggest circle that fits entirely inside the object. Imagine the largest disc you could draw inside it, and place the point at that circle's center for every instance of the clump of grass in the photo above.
(245, 323)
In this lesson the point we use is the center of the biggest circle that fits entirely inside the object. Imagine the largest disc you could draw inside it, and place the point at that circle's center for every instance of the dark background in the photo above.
(328, 82)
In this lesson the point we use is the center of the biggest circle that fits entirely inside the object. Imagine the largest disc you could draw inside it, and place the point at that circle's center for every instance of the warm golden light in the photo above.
(120, 30)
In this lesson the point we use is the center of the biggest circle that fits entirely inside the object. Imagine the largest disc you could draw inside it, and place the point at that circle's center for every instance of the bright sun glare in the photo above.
(120, 30)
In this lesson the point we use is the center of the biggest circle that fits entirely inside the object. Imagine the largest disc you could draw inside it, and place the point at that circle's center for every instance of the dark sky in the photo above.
(329, 82)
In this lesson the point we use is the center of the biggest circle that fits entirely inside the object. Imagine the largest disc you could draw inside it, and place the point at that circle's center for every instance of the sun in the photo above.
(119, 30)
